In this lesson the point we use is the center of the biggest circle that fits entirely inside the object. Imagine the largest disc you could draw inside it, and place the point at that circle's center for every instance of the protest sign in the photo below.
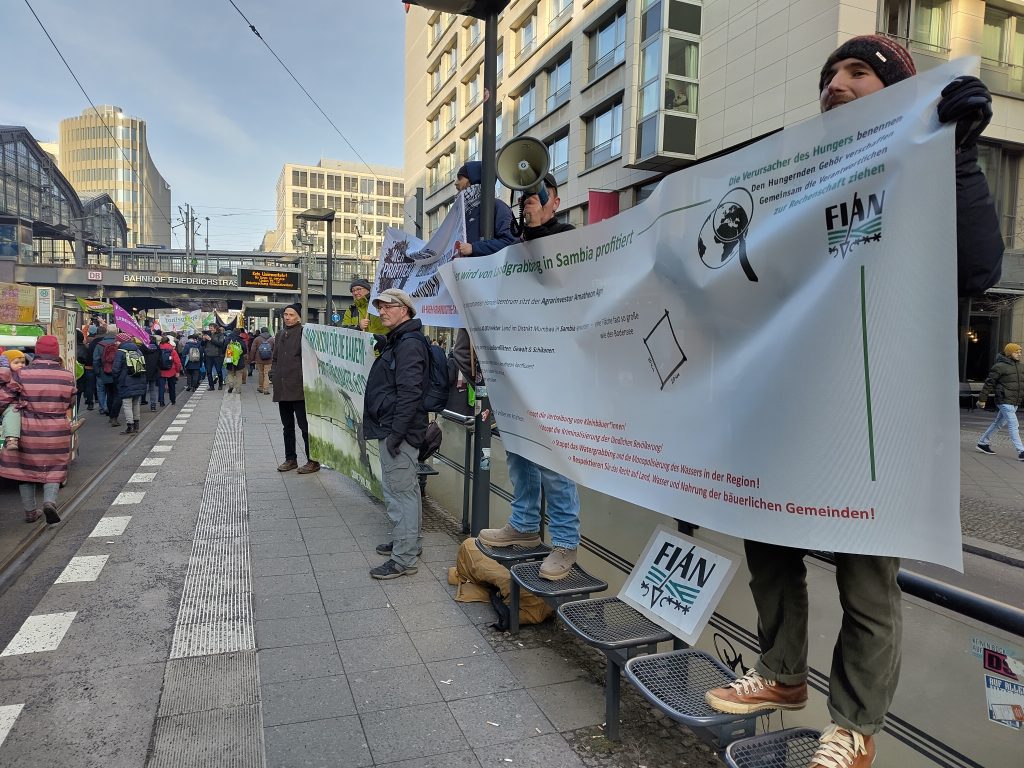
(17, 303)
(95, 307)
(181, 322)
(126, 324)
(736, 350)
(678, 581)
(335, 364)
(406, 262)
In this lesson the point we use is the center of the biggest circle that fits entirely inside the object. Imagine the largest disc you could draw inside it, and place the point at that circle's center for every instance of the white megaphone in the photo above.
(522, 164)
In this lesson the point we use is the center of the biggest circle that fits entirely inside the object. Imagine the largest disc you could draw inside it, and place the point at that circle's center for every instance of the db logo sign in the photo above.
(95, 274)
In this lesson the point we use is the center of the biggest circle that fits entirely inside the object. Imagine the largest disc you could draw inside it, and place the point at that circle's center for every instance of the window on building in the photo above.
(526, 37)
(450, 60)
(684, 16)
(922, 23)
(436, 30)
(396, 212)
(473, 91)
(316, 201)
(435, 127)
(501, 61)
(334, 182)
(607, 46)
(650, 77)
(474, 34)
(525, 109)
(365, 186)
(435, 80)
(473, 146)
(1002, 41)
(499, 127)
(604, 136)
(450, 115)
(398, 189)
(559, 83)
(299, 179)
(299, 200)
(383, 208)
(351, 184)
(1001, 166)
(316, 180)
(561, 10)
(558, 151)
(681, 83)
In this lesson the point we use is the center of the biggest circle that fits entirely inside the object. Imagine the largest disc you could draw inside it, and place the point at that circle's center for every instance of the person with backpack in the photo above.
(261, 354)
(94, 393)
(245, 339)
(169, 365)
(103, 366)
(192, 356)
(214, 348)
(234, 361)
(394, 415)
(130, 376)
(151, 353)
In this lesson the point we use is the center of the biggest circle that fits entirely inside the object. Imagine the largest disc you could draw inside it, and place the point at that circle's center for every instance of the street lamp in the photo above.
(325, 214)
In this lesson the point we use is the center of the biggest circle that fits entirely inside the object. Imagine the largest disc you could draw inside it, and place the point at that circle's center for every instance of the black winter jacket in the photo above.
(1006, 381)
(152, 354)
(393, 403)
(503, 237)
(979, 245)
(550, 227)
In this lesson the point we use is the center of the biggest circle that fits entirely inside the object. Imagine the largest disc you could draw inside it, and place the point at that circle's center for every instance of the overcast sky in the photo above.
(222, 115)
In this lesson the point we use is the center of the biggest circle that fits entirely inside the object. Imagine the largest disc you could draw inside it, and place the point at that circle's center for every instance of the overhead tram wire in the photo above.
(303, 88)
(145, 186)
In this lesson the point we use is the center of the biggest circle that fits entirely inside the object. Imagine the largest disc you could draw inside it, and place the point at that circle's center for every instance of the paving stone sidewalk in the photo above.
(991, 487)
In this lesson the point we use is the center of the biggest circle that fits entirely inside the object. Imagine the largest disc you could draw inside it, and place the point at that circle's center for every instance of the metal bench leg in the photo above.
(611, 699)
(513, 607)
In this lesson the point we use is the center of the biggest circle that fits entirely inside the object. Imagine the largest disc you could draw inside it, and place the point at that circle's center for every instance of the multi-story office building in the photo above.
(367, 199)
(625, 91)
(107, 152)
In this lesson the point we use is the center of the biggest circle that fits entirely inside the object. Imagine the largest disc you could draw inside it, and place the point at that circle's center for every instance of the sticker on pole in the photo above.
(1005, 700)
(678, 581)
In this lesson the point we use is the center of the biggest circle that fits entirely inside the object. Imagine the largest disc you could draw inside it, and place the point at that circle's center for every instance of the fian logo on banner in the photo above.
(678, 581)
(854, 224)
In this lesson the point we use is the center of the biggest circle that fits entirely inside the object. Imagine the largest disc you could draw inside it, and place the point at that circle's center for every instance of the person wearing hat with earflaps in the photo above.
(359, 315)
(1005, 382)
(867, 653)
(48, 392)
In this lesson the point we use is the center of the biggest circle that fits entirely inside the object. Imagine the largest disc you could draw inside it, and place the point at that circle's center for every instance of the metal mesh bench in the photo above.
(620, 632)
(509, 556)
(675, 683)
(423, 471)
(789, 748)
(577, 584)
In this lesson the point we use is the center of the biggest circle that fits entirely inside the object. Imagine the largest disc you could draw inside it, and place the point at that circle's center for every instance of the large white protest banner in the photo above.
(406, 262)
(765, 347)
(335, 364)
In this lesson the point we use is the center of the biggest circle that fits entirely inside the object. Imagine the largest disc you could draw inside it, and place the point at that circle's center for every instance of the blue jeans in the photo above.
(1007, 415)
(563, 501)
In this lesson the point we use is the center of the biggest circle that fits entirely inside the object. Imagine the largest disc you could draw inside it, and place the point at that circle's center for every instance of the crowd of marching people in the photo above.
(115, 375)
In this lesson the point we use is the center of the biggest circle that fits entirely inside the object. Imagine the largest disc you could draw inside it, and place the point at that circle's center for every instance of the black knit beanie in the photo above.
(887, 58)
(360, 283)
(297, 307)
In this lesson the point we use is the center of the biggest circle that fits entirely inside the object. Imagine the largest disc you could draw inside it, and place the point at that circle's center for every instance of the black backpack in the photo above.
(435, 393)
(166, 361)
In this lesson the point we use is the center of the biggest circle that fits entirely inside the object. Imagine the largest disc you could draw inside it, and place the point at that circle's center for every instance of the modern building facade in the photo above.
(625, 91)
(106, 151)
(367, 199)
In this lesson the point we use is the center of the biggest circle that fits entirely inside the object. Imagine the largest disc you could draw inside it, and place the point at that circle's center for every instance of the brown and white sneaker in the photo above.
(754, 693)
(840, 748)
(508, 536)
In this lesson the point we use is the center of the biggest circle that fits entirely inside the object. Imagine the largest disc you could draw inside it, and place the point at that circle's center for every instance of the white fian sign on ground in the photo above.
(736, 351)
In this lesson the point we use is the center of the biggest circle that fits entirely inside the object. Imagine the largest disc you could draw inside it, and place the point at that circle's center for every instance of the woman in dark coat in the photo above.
(47, 392)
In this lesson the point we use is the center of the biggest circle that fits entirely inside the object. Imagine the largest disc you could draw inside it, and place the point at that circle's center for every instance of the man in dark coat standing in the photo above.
(214, 346)
(393, 414)
(866, 659)
(1005, 382)
(288, 392)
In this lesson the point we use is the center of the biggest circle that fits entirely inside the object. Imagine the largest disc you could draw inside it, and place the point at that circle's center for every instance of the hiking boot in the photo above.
(129, 428)
(508, 537)
(840, 748)
(387, 549)
(289, 465)
(50, 510)
(754, 693)
(309, 467)
(985, 448)
(389, 569)
(557, 564)
(33, 515)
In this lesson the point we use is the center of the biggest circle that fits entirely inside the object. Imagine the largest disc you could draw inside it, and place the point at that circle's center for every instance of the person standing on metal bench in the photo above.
(866, 660)
(563, 499)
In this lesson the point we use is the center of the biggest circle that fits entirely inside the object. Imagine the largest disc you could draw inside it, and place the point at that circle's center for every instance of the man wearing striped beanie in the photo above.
(866, 658)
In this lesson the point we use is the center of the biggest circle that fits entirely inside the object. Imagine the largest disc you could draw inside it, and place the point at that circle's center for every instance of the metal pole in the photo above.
(482, 430)
(330, 272)
(207, 238)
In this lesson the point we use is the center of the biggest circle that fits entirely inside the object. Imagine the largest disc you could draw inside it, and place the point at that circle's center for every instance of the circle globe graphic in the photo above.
(724, 227)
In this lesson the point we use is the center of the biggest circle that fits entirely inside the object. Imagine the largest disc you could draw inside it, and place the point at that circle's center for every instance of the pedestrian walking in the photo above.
(151, 354)
(1005, 382)
(104, 355)
(288, 392)
(235, 361)
(169, 368)
(48, 393)
(130, 376)
(192, 358)
(214, 348)
(393, 414)
(261, 354)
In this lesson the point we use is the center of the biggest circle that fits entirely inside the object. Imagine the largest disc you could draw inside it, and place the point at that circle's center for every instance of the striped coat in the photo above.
(45, 452)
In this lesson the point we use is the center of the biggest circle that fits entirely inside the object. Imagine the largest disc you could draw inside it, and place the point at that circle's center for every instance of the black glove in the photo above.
(967, 102)
(394, 444)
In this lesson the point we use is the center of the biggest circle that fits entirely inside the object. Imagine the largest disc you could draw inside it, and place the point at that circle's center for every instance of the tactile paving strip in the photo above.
(226, 738)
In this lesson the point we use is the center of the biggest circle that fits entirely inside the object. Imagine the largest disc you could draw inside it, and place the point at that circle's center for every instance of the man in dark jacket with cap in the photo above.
(393, 414)
(866, 659)
(1006, 382)
(288, 392)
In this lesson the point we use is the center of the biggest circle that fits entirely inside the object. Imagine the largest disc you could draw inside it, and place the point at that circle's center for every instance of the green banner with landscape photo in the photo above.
(335, 365)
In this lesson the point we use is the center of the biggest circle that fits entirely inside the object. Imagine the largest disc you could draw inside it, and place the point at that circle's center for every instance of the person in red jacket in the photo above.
(168, 376)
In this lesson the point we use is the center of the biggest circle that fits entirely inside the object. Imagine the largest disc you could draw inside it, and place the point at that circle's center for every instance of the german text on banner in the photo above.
(408, 263)
(126, 324)
(335, 364)
(765, 347)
